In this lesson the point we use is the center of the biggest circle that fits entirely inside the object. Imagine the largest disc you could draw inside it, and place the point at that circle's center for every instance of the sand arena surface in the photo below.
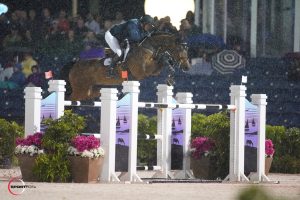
(289, 187)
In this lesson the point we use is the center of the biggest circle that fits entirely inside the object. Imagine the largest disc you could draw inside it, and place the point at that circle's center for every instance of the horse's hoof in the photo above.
(170, 82)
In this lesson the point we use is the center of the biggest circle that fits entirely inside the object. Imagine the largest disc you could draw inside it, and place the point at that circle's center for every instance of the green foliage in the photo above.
(287, 149)
(286, 164)
(53, 167)
(9, 131)
(198, 125)
(292, 142)
(62, 130)
(147, 149)
(216, 127)
(255, 193)
(277, 135)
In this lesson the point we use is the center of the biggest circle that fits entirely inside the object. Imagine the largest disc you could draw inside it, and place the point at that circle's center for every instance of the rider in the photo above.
(134, 30)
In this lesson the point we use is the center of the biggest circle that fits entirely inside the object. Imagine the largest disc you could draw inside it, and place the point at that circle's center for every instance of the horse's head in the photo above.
(180, 55)
(170, 47)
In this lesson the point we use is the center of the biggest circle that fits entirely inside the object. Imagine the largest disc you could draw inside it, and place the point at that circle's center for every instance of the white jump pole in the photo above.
(58, 86)
(132, 87)
(108, 133)
(33, 99)
(260, 100)
(237, 134)
(164, 128)
(185, 98)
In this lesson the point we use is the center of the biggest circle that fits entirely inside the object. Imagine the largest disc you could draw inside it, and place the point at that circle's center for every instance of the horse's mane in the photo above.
(159, 33)
(162, 33)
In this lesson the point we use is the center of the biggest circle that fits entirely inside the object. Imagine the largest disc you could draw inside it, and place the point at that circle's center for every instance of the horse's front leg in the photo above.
(93, 92)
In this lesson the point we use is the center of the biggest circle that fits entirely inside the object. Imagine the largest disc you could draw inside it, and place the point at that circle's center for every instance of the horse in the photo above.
(145, 59)
(249, 143)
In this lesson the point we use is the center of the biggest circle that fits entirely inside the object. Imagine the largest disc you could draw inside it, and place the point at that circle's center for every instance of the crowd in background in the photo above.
(33, 27)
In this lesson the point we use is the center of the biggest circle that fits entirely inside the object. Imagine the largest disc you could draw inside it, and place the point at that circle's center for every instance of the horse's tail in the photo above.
(64, 75)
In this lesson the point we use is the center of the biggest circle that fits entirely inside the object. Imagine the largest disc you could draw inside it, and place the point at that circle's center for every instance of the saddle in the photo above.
(108, 57)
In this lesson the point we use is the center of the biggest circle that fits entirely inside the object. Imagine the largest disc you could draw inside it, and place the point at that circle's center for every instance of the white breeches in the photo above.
(113, 43)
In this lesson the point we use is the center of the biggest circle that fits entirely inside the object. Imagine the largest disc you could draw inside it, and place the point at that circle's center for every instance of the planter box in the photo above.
(201, 168)
(85, 170)
(27, 163)
(268, 163)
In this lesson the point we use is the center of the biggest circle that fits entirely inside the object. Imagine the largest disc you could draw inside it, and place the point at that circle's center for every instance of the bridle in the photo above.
(167, 56)
(170, 55)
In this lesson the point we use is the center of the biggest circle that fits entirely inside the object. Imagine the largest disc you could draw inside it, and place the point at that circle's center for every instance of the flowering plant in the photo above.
(269, 148)
(202, 147)
(31, 145)
(86, 146)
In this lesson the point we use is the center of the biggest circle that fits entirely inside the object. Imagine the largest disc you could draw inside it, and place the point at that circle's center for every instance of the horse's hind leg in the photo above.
(79, 93)
(94, 93)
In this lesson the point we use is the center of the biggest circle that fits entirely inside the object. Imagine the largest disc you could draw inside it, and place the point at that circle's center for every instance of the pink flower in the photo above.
(82, 143)
(269, 148)
(35, 139)
(201, 146)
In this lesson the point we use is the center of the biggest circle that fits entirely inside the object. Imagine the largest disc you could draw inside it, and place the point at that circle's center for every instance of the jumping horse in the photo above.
(143, 60)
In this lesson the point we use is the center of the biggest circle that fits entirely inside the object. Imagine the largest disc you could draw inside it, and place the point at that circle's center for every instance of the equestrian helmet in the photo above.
(147, 19)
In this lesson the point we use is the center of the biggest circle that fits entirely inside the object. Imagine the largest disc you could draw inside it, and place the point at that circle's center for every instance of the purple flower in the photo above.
(82, 143)
(269, 148)
(201, 146)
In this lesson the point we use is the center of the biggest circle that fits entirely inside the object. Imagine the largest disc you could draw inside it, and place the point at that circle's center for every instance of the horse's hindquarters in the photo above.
(86, 74)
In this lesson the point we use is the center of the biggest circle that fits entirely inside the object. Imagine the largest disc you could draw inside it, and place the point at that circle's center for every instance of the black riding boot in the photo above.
(113, 64)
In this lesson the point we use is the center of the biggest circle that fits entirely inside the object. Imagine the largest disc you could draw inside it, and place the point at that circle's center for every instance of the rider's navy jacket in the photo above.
(131, 30)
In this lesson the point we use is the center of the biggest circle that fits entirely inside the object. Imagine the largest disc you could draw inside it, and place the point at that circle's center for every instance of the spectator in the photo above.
(54, 33)
(71, 36)
(187, 29)
(100, 21)
(8, 70)
(90, 41)
(73, 43)
(190, 17)
(4, 27)
(63, 22)
(32, 32)
(165, 25)
(92, 24)
(14, 20)
(107, 24)
(23, 22)
(80, 29)
(13, 38)
(119, 18)
(36, 78)
(27, 63)
(46, 22)
(17, 80)
(235, 43)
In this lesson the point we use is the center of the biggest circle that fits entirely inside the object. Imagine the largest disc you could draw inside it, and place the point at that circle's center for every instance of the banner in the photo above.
(177, 139)
(122, 133)
(48, 109)
(251, 137)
